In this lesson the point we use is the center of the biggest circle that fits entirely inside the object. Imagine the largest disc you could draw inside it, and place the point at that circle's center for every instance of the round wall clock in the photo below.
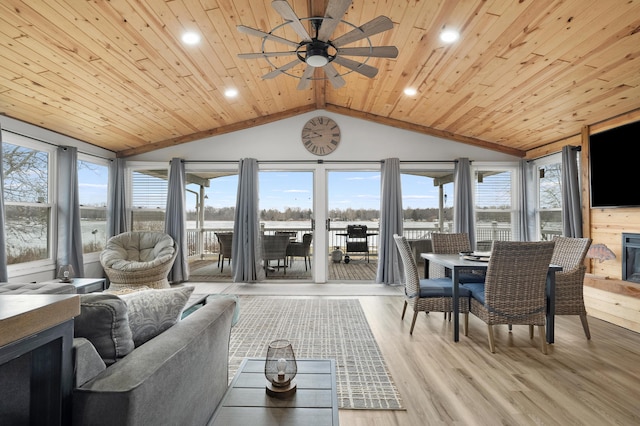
(321, 135)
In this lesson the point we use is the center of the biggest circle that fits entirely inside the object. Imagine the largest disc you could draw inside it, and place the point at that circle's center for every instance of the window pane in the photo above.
(421, 194)
(550, 194)
(493, 207)
(149, 199)
(26, 174)
(27, 233)
(93, 184)
(26, 196)
(550, 201)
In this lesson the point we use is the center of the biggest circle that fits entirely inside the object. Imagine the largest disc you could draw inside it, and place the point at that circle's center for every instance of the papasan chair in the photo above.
(136, 259)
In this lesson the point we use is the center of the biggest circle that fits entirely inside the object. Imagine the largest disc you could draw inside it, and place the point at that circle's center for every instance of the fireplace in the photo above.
(631, 257)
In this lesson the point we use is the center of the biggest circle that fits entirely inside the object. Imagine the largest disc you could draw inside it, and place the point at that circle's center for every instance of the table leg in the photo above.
(456, 305)
(426, 268)
(551, 305)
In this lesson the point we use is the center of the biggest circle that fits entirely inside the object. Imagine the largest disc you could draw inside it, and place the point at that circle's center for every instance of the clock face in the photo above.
(321, 135)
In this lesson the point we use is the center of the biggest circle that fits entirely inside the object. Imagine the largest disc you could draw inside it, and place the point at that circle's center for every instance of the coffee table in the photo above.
(246, 402)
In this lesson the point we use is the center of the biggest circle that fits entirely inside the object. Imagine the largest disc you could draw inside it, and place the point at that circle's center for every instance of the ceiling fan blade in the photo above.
(335, 10)
(364, 69)
(305, 80)
(262, 34)
(281, 69)
(375, 26)
(333, 76)
(373, 52)
(285, 10)
(264, 54)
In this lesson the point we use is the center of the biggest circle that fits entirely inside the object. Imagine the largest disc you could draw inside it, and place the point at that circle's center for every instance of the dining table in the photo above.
(457, 263)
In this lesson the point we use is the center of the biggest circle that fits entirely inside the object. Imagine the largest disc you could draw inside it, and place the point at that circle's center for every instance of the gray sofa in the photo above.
(176, 378)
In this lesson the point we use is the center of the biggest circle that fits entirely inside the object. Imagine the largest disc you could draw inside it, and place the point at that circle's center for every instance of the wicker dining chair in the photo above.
(570, 254)
(514, 291)
(427, 295)
(452, 243)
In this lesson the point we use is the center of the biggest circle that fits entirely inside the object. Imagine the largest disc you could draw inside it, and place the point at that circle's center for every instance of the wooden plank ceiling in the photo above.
(117, 75)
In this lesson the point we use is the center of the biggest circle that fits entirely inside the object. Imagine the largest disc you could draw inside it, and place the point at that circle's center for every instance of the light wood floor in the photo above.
(579, 382)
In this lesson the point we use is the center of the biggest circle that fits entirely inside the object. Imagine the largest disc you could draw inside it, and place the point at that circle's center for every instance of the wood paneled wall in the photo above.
(606, 296)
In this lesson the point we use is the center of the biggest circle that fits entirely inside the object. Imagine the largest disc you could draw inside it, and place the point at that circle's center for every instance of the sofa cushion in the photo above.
(103, 320)
(153, 311)
(86, 360)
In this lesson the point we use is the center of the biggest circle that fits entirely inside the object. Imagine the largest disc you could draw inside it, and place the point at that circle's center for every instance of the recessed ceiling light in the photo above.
(449, 36)
(191, 38)
(231, 93)
(410, 91)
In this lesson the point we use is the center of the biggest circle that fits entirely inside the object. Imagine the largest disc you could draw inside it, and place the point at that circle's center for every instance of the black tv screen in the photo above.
(615, 167)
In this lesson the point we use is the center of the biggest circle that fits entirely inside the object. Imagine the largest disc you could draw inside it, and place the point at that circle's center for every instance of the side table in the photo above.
(246, 402)
(86, 285)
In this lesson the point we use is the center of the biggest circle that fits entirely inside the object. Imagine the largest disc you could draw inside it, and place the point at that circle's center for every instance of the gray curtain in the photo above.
(526, 216)
(4, 275)
(69, 233)
(390, 222)
(463, 210)
(245, 251)
(117, 221)
(175, 219)
(571, 205)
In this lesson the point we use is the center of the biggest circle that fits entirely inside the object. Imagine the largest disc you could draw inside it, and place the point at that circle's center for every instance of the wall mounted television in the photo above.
(614, 167)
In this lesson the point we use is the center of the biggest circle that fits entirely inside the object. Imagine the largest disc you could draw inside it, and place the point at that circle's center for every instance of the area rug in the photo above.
(319, 328)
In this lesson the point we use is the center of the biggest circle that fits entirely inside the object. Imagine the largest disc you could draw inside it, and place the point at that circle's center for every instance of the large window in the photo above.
(93, 184)
(494, 206)
(27, 192)
(148, 199)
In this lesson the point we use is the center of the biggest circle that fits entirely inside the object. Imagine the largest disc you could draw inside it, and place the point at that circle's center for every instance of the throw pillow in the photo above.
(153, 311)
(103, 320)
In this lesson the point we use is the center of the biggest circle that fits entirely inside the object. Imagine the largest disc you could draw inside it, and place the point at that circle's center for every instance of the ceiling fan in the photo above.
(320, 51)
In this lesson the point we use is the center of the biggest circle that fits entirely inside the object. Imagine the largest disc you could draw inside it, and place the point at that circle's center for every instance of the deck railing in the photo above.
(203, 242)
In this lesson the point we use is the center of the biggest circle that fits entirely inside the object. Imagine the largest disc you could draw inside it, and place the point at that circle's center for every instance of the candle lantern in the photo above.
(280, 368)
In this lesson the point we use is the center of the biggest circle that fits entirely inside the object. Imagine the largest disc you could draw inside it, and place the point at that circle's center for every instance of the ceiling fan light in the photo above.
(317, 60)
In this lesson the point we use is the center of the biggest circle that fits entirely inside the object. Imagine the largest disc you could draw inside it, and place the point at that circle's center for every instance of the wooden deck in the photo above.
(357, 269)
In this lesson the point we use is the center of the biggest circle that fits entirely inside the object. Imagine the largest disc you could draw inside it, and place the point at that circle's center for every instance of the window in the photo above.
(93, 184)
(549, 201)
(427, 201)
(494, 207)
(148, 199)
(27, 192)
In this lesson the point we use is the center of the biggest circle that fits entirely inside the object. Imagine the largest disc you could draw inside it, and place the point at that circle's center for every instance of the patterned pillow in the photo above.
(153, 311)
(103, 320)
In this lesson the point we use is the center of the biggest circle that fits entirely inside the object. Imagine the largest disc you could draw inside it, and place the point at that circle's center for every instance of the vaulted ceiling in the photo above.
(117, 75)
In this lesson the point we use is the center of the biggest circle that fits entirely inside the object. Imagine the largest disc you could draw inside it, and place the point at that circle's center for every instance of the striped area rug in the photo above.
(319, 328)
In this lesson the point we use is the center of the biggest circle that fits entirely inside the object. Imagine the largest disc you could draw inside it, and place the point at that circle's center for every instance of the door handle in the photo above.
(328, 224)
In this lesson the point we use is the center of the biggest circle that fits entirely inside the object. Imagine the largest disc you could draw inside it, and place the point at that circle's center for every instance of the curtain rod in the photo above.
(573, 148)
(53, 144)
(318, 161)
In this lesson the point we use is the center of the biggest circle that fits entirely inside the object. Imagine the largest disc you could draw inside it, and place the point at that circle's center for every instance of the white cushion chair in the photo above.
(140, 258)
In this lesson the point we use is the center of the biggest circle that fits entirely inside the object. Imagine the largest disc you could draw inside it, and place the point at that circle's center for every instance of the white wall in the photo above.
(361, 140)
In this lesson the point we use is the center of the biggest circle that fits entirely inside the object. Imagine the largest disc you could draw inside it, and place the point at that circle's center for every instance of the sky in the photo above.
(283, 189)
(359, 189)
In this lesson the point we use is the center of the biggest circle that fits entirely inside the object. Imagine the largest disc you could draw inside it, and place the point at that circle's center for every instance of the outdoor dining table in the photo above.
(457, 263)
